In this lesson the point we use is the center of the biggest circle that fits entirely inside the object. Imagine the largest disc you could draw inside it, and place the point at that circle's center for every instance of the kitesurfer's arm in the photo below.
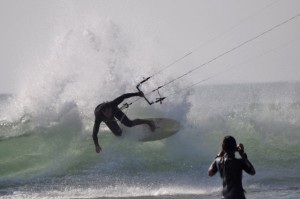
(120, 99)
(95, 135)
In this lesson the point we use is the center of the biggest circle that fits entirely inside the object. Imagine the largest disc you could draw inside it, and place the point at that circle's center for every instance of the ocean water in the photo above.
(46, 148)
(56, 159)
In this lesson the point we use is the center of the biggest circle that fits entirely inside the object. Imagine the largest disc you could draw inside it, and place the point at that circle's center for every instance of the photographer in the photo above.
(231, 168)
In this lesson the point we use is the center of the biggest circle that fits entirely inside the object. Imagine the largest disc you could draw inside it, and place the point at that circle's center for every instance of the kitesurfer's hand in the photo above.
(98, 149)
(141, 94)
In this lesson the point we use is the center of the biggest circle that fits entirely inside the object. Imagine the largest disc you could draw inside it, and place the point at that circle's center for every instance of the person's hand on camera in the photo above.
(240, 149)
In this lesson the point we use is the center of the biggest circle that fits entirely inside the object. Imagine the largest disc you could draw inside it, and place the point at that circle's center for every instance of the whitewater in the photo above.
(46, 147)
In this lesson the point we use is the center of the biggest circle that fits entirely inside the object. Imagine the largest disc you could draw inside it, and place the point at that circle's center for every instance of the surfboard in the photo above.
(165, 127)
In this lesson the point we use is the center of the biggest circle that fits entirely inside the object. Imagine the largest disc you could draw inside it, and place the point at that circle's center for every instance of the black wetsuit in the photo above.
(231, 170)
(116, 113)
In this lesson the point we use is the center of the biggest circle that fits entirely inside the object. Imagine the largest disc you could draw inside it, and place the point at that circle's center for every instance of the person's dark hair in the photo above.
(229, 144)
(105, 106)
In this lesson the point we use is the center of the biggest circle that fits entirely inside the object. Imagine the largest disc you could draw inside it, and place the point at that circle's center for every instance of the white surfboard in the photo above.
(165, 127)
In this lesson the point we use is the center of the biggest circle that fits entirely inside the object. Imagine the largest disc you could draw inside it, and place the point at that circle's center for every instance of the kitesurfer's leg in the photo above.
(130, 123)
(114, 127)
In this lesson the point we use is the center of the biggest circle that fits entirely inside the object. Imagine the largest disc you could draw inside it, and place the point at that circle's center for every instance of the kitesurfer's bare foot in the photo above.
(152, 125)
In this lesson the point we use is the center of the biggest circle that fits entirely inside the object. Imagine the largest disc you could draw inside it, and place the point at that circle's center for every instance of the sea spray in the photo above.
(48, 121)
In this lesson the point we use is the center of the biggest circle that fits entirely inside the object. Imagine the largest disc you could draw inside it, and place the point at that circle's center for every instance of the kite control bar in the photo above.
(160, 99)
(138, 88)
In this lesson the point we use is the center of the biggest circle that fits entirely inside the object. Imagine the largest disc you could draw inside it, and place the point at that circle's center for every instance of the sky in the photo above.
(207, 28)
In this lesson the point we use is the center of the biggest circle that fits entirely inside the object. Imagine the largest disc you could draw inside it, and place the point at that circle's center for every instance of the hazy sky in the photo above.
(29, 26)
